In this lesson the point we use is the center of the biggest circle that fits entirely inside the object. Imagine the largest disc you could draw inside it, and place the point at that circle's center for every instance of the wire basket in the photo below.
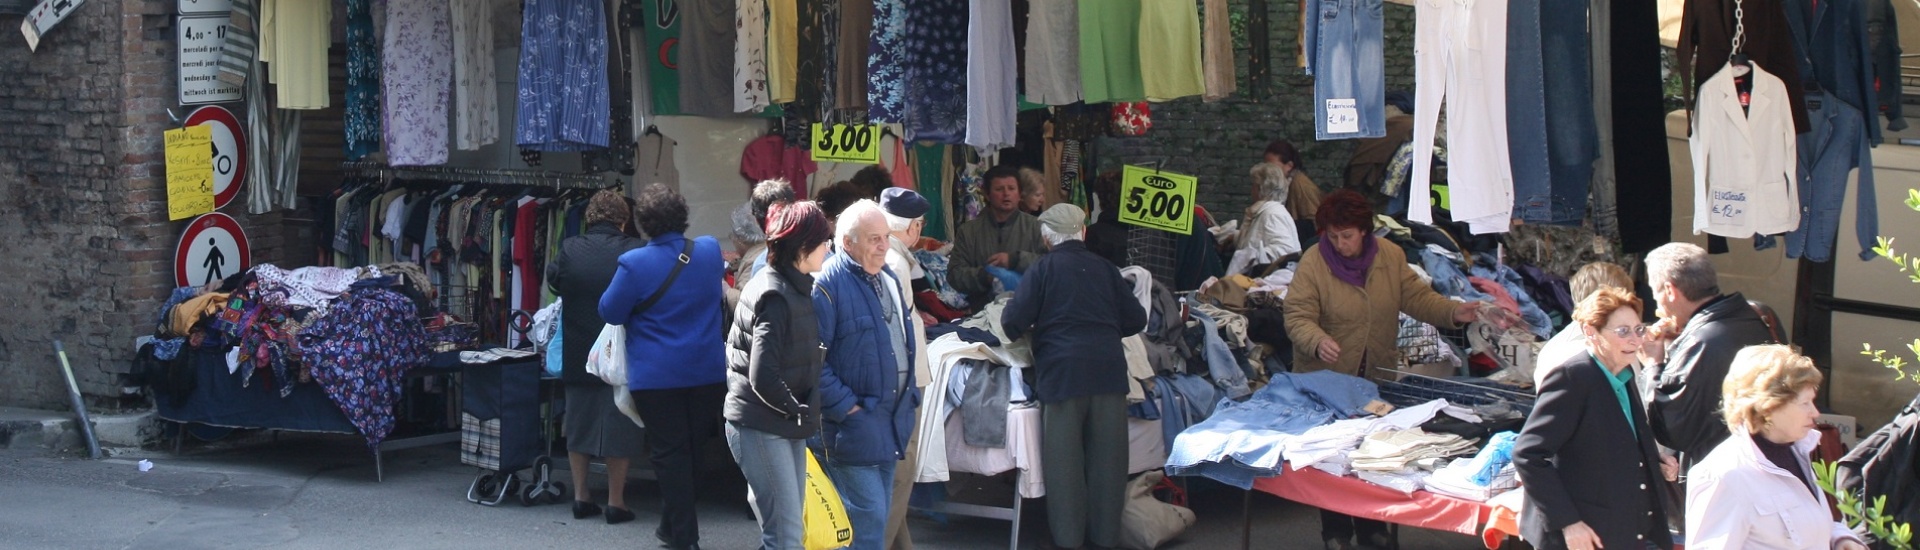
(1152, 249)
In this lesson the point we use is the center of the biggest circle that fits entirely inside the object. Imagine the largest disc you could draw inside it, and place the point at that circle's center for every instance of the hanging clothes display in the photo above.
(1460, 57)
(418, 61)
(850, 65)
(297, 63)
(1638, 127)
(1572, 138)
(1349, 88)
(829, 56)
(809, 67)
(362, 117)
(1707, 42)
(1110, 51)
(1217, 51)
(769, 157)
(750, 57)
(1527, 112)
(660, 26)
(1170, 50)
(937, 70)
(476, 94)
(1831, 39)
(1052, 69)
(1745, 179)
(1883, 40)
(707, 41)
(236, 52)
(887, 63)
(992, 86)
(929, 162)
(783, 49)
(655, 163)
(561, 109)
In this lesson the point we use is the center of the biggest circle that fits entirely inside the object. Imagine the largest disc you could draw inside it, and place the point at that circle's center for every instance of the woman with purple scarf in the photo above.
(1343, 314)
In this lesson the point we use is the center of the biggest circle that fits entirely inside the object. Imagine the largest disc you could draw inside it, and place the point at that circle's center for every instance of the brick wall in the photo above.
(1218, 141)
(86, 245)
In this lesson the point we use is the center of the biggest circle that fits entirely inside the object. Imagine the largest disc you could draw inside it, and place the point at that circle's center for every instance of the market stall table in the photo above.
(1358, 498)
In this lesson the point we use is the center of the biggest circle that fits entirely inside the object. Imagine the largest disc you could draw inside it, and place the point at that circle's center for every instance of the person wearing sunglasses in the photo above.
(1586, 457)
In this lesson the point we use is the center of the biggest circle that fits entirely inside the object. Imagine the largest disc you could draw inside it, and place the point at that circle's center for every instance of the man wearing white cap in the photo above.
(1078, 307)
(905, 211)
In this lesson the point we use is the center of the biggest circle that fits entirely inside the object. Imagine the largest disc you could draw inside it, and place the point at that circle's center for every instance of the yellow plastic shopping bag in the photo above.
(825, 518)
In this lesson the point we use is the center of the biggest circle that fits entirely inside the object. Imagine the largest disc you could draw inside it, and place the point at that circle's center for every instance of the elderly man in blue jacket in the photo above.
(867, 392)
(1077, 307)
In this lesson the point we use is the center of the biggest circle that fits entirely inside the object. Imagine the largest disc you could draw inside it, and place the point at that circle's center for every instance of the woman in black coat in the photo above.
(773, 365)
(593, 426)
(1586, 457)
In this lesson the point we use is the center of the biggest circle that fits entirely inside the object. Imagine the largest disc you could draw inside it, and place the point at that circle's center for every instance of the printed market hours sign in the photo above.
(201, 38)
(1157, 199)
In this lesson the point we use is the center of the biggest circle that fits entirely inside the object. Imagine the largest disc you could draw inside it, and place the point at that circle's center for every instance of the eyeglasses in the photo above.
(1625, 332)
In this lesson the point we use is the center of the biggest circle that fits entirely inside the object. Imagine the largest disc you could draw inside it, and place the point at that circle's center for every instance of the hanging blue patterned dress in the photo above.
(937, 70)
(363, 81)
(564, 98)
(887, 63)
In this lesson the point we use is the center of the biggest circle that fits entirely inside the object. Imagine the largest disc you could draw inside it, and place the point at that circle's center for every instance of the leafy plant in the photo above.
(1857, 513)
(1855, 509)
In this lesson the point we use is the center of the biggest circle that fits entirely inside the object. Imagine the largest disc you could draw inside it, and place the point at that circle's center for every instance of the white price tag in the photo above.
(1343, 116)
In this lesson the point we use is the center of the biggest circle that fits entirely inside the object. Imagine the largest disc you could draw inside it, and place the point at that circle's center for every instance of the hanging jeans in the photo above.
(1573, 142)
(1459, 56)
(1527, 113)
(1350, 85)
(1835, 145)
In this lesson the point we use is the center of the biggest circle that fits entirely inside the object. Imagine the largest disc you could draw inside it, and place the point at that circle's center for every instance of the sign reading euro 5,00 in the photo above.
(1157, 199)
(856, 143)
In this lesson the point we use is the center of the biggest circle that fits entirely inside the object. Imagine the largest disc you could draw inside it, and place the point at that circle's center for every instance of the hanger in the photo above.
(652, 131)
(1739, 62)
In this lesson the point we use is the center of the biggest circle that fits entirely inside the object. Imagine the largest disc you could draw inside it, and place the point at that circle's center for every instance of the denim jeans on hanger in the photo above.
(1573, 142)
(1834, 146)
(1351, 78)
(1527, 114)
(1309, 35)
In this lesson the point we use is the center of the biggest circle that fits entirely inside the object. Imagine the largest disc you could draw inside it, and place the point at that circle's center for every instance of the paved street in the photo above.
(312, 491)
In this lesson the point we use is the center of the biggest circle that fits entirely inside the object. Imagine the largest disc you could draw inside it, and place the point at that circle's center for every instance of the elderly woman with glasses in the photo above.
(1586, 456)
(1756, 489)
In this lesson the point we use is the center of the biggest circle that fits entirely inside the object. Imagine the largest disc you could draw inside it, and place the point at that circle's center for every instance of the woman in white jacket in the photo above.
(1268, 232)
(1756, 489)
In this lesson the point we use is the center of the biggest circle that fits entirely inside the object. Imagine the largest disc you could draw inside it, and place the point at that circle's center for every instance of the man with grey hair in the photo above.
(1692, 347)
(905, 210)
(1078, 308)
(867, 389)
(765, 194)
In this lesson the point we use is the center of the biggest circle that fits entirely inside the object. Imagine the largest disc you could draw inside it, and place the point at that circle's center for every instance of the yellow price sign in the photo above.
(1157, 199)
(856, 143)
(189, 154)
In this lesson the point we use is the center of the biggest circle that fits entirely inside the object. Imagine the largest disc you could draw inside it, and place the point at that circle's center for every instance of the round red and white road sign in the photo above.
(212, 248)
(229, 151)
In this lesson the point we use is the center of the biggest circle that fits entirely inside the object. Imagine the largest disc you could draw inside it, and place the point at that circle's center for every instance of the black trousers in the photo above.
(1338, 526)
(680, 422)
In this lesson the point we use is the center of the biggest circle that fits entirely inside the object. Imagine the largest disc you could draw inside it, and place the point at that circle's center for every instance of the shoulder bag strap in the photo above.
(686, 257)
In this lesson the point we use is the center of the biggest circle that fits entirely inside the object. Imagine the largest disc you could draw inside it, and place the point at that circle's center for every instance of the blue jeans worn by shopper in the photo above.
(1349, 71)
(867, 492)
(776, 472)
(1835, 145)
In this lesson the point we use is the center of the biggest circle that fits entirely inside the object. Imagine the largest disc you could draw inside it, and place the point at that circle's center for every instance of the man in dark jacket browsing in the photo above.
(1692, 347)
(867, 391)
(1078, 307)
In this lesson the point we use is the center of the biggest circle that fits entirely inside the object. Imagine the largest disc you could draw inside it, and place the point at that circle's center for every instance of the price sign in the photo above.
(189, 171)
(1157, 199)
(857, 143)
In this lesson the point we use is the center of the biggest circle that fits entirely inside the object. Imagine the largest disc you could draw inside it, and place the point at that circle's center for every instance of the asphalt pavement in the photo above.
(319, 491)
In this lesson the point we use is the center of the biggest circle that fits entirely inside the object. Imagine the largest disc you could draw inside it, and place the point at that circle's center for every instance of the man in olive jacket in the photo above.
(1003, 239)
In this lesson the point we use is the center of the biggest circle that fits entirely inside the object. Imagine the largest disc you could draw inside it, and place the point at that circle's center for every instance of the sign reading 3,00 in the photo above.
(1157, 199)
(858, 143)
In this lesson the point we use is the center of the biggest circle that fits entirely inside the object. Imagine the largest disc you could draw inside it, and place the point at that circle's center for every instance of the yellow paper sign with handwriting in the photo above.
(189, 171)
(855, 143)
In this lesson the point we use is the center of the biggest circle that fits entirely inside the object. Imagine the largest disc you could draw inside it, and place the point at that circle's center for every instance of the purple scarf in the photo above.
(1351, 270)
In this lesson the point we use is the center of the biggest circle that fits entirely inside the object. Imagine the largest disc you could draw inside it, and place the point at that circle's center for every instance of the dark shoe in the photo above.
(617, 515)
(1376, 541)
(1338, 544)
(583, 509)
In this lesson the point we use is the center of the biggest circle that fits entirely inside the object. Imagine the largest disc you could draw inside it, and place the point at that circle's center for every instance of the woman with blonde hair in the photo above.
(1756, 489)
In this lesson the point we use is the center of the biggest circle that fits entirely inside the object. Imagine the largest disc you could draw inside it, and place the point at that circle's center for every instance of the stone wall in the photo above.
(1218, 141)
(83, 232)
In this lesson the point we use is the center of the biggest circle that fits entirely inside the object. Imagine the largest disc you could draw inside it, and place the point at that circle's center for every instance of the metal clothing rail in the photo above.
(495, 176)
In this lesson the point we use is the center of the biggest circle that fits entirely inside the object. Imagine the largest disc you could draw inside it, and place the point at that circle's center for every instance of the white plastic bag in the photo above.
(546, 323)
(608, 360)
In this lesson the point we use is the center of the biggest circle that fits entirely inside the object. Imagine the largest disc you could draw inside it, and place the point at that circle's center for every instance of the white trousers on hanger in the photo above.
(1460, 55)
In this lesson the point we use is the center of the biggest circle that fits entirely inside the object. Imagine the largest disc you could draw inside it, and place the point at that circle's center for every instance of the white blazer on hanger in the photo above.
(1745, 174)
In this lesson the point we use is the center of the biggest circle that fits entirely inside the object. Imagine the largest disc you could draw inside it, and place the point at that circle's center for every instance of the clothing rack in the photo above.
(487, 176)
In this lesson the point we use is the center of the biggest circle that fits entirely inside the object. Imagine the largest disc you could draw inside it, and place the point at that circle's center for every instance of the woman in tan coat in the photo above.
(1343, 314)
